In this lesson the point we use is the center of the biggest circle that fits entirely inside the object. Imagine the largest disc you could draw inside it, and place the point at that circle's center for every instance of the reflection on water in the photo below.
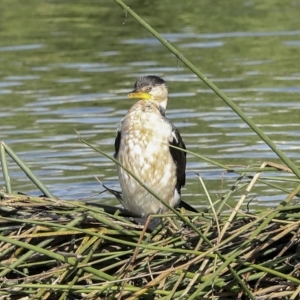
(21, 47)
(73, 71)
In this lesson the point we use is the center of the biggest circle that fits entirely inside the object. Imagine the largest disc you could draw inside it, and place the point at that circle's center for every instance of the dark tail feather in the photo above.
(187, 206)
(117, 194)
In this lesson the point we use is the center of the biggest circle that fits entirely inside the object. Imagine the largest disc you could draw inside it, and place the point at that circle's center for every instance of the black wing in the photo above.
(179, 158)
(117, 143)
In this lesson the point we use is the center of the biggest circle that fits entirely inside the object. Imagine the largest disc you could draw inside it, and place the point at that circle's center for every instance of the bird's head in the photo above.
(151, 88)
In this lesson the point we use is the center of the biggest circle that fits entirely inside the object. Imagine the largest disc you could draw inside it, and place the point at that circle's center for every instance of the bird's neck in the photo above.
(162, 105)
(162, 110)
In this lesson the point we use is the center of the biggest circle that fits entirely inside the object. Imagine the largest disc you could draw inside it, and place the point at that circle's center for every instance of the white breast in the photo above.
(144, 150)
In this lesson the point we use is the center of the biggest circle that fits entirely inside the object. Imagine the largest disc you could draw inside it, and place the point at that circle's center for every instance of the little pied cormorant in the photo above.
(142, 146)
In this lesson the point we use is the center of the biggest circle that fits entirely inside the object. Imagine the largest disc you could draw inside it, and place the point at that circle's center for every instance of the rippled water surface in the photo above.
(68, 65)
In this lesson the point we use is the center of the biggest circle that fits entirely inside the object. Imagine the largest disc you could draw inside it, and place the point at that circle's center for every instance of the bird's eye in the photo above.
(148, 89)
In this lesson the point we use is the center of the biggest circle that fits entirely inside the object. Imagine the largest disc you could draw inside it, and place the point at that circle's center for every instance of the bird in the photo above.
(143, 146)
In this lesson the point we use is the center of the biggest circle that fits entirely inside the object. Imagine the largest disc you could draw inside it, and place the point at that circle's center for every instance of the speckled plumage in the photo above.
(142, 146)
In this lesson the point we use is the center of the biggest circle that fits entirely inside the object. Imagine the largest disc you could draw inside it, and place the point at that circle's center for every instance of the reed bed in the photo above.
(56, 249)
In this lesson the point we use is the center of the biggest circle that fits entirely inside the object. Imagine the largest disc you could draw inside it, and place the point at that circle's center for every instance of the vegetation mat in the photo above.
(55, 249)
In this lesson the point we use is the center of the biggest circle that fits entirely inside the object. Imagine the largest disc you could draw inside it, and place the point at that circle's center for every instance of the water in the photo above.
(69, 65)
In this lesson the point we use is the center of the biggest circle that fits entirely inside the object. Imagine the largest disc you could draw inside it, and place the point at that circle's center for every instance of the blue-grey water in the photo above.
(68, 65)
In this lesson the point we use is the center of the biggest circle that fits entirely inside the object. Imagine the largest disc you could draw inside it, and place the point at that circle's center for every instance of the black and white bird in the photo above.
(143, 144)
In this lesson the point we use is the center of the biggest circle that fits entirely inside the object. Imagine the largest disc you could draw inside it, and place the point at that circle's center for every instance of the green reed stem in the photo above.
(239, 249)
(43, 244)
(69, 260)
(230, 103)
(94, 242)
(28, 172)
(5, 169)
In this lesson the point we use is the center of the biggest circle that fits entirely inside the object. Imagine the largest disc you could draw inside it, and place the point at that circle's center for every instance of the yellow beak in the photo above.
(139, 95)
